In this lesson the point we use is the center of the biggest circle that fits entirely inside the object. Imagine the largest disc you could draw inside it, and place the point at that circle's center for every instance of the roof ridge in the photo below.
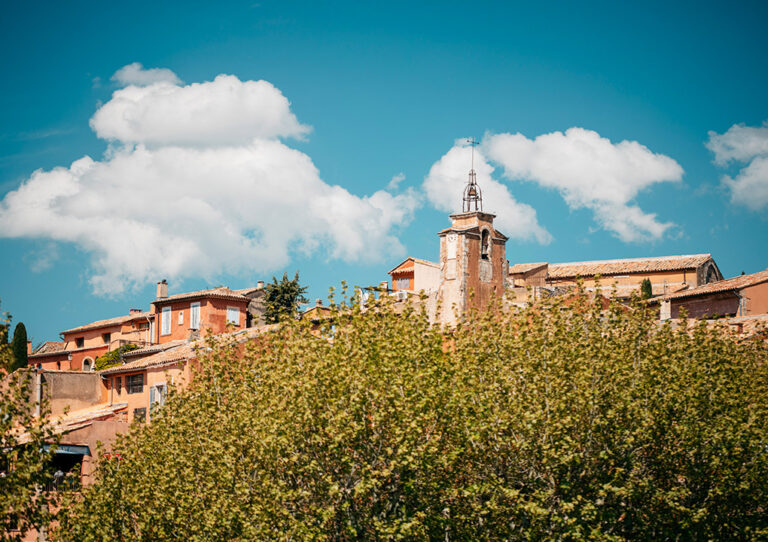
(617, 260)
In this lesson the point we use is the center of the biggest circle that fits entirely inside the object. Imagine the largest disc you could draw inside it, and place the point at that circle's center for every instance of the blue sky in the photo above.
(376, 92)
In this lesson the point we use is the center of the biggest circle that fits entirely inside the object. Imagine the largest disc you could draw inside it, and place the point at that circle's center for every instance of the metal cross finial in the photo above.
(472, 195)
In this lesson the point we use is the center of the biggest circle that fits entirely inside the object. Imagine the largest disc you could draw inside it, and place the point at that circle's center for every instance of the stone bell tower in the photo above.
(473, 258)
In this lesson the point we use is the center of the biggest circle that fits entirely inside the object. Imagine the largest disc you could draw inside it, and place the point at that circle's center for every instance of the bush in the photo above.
(113, 357)
(548, 423)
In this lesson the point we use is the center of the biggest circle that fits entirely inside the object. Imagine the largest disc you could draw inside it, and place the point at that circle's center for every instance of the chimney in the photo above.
(384, 285)
(29, 347)
(318, 302)
(134, 311)
(260, 285)
(162, 289)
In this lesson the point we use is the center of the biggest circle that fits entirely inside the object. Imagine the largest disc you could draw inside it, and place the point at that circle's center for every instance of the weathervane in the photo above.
(472, 195)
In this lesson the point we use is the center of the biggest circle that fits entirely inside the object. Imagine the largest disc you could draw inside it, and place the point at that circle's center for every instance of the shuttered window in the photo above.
(134, 383)
(165, 324)
(233, 316)
(194, 316)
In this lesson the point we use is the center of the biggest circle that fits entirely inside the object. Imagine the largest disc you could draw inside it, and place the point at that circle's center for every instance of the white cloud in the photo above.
(148, 212)
(225, 111)
(745, 144)
(750, 186)
(395, 181)
(444, 186)
(740, 143)
(135, 74)
(590, 171)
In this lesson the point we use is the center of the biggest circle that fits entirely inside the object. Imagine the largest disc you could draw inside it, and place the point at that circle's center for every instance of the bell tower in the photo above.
(473, 258)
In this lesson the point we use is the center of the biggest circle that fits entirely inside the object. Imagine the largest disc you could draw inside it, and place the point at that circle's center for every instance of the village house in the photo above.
(216, 310)
(80, 346)
(667, 274)
(742, 296)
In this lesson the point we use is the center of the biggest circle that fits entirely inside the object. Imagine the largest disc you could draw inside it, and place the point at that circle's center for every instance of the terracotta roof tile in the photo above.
(218, 293)
(112, 321)
(407, 265)
(49, 347)
(727, 285)
(627, 266)
(185, 351)
(525, 267)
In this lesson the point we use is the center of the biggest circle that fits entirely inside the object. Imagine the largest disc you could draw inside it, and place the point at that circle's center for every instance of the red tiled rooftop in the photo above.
(218, 293)
(627, 266)
(119, 320)
(727, 285)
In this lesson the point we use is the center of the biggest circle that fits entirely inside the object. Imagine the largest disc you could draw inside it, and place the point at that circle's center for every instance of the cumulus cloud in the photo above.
(145, 211)
(135, 74)
(225, 111)
(395, 181)
(589, 171)
(747, 145)
(444, 186)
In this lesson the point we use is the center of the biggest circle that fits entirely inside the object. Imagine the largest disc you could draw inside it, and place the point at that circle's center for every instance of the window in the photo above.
(194, 316)
(485, 248)
(403, 283)
(143, 325)
(87, 364)
(233, 315)
(181, 318)
(79, 342)
(165, 321)
(140, 415)
(134, 383)
(157, 394)
(119, 384)
(106, 337)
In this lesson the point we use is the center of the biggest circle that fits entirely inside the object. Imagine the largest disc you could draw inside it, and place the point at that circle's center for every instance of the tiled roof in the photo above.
(627, 266)
(728, 285)
(112, 321)
(79, 418)
(152, 349)
(407, 265)
(218, 293)
(185, 351)
(525, 267)
(49, 347)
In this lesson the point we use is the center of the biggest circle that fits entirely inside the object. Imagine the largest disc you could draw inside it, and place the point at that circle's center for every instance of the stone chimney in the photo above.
(260, 285)
(162, 289)
(134, 311)
(318, 302)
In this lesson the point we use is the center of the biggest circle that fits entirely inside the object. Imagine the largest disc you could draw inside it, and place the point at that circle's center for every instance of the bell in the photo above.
(472, 192)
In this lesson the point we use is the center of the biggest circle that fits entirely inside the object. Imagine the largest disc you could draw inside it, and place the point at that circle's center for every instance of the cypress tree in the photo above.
(19, 346)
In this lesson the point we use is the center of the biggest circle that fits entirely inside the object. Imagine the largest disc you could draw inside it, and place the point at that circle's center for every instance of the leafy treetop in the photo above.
(550, 423)
(283, 298)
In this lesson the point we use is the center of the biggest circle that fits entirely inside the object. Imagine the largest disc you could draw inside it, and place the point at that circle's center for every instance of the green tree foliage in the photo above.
(19, 346)
(552, 423)
(283, 298)
(24, 466)
(113, 357)
(646, 289)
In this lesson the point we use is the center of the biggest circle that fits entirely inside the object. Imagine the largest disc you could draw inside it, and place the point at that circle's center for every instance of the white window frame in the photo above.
(230, 320)
(181, 317)
(165, 321)
(403, 283)
(194, 315)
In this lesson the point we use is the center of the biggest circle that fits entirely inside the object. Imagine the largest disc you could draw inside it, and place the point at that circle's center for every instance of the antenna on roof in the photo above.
(473, 197)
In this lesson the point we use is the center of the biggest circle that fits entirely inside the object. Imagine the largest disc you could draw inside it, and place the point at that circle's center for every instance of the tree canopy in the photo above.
(283, 298)
(24, 463)
(554, 422)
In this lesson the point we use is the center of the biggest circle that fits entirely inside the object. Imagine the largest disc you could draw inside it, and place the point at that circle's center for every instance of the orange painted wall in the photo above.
(756, 299)
(213, 316)
(174, 374)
